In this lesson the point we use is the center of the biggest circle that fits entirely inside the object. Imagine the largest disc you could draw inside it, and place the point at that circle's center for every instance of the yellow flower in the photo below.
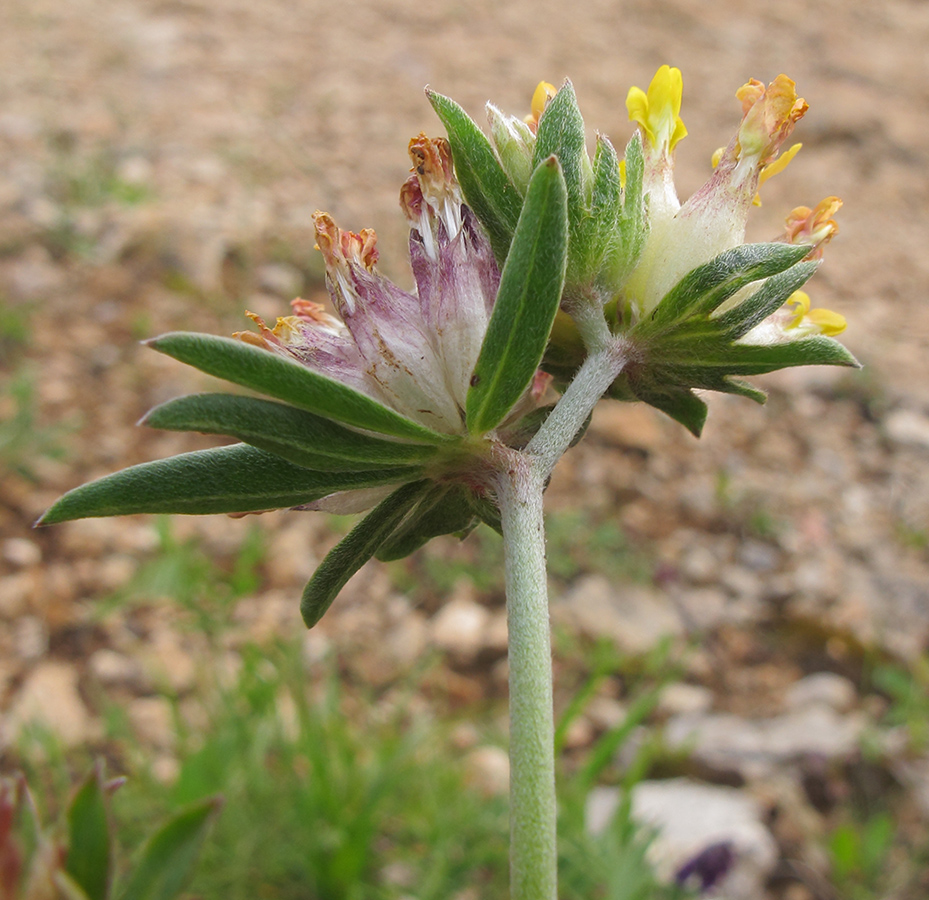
(659, 111)
(824, 321)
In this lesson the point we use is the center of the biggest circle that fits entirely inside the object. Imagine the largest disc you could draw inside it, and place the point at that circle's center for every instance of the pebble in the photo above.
(689, 817)
(634, 617)
(280, 278)
(49, 698)
(21, 552)
(30, 638)
(680, 698)
(152, 719)
(753, 747)
(114, 669)
(908, 428)
(460, 627)
(487, 769)
(826, 688)
(627, 425)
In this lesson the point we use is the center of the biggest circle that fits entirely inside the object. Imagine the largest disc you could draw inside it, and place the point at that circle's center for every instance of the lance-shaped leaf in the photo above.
(294, 434)
(232, 479)
(488, 190)
(528, 298)
(444, 510)
(561, 134)
(89, 850)
(170, 856)
(355, 549)
(267, 373)
(704, 288)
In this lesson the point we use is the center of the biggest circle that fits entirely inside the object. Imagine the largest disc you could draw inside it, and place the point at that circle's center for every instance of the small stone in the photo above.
(680, 698)
(49, 698)
(30, 637)
(459, 628)
(909, 428)
(824, 688)
(689, 817)
(112, 668)
(21, 552)
(699, 565)
(606, 713)
(634, 617)
(165, 769)
(152, 719)
(488, 769)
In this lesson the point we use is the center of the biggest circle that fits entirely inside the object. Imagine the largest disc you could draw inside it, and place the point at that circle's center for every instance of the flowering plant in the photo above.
(538, 270)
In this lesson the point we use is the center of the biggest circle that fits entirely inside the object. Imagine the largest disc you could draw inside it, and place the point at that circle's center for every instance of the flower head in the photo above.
(414, 352)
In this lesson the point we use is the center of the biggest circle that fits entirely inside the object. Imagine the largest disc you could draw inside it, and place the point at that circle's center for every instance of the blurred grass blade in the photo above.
(232, 479)
(530, 291)
(89, 851)
(294, 434)
(354, 550)
(170, 856)
(486, 187)
(267, 373)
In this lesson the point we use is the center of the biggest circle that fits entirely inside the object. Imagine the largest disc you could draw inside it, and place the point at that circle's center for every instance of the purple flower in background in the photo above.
(710, 865)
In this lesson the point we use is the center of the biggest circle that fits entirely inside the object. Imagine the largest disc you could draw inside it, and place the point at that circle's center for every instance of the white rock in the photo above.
(680, 697)
(825, 688)
(488, 769)
(152, 719)
(634, 617)
(49, 699)
(754, 747)
(113, 668)
(689, 817)
(21, 552)
(904, 426)
(30, 637)
(282, 279)
(459, 628)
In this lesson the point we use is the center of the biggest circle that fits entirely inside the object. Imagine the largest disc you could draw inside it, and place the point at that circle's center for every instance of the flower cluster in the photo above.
(697, 305)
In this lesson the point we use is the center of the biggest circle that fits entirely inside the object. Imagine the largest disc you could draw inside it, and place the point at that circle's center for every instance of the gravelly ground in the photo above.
(159, 162)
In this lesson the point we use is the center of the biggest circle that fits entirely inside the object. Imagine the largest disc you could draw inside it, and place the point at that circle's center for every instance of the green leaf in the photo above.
(88, 862)
(294, 434)
(232, 479)
(268, 373)
(598, 231)
(443, 511)
(704, 288)
(170, 856)
(528, 298)
(561, 134)
(771, 296)
(355, 549)
(680, 404)
(486, 187)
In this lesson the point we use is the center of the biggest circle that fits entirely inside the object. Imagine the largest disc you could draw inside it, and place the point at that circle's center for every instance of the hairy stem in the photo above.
(533, 855)
(520, 483)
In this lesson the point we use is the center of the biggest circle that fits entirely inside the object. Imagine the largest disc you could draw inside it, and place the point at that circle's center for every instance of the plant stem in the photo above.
(520, 484)
(533, 854)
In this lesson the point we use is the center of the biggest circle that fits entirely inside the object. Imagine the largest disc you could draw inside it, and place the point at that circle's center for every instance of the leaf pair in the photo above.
(684, 345)
(86, 869)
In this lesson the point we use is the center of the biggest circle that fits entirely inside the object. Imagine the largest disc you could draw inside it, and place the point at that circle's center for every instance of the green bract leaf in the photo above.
(486, 187)
(267, 373)
(232, 479)
(88, 861)
(355, 549)
(294, 434)
(561, 134)
(442, 511)
(704, 288)
(530, 291)
(169, 857)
